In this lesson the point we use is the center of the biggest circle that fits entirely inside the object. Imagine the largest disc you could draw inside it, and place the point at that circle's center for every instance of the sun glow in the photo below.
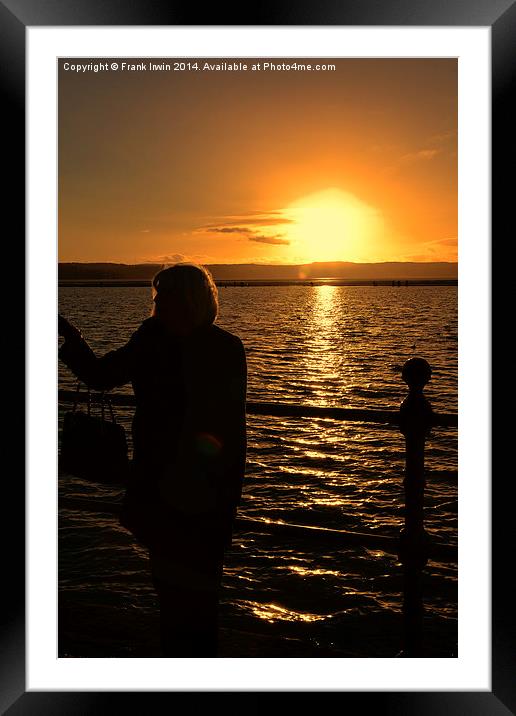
(332, 225)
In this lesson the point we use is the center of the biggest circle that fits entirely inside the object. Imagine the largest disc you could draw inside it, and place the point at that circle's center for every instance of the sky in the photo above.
(259, 166)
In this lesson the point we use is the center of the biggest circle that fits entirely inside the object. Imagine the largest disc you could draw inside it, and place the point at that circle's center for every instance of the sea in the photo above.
(283, 594)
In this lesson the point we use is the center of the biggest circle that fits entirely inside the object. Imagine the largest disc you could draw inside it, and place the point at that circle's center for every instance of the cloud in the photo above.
(238, 225)
(244, 223)
(421, 155)
(271, 218)
(434, 146)
(167, 259)
(441, 137)
(444, 249)
(269, 239)
(176, 258)
(447, 241)
(229, 229)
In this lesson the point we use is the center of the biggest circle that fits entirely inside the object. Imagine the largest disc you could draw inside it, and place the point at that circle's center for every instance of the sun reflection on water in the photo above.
(274, 612)
(305, 572)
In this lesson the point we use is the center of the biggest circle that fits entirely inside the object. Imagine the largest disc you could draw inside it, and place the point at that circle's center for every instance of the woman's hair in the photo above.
(185, 296)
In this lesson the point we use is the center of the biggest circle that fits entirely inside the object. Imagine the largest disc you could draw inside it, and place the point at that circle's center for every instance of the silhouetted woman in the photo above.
(189, 445)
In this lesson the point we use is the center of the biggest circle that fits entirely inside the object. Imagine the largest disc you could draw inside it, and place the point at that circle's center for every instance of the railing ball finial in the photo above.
(416, 373)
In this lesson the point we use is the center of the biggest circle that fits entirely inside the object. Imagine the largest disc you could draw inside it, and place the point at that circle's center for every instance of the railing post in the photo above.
(416, 419)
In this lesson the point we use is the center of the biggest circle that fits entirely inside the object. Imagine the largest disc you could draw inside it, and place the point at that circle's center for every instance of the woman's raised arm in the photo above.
(99, 373)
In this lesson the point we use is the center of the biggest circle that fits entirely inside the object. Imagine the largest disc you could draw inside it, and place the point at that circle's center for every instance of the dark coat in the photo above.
(189, 429)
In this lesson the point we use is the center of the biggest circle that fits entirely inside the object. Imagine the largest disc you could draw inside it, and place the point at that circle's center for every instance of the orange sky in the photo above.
(358, 164)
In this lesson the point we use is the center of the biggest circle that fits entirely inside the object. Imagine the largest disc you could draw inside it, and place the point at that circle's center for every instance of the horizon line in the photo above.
(311, 263)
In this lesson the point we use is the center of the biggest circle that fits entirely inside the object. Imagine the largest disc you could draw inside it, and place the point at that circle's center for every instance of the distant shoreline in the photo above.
(342, 273)
(236, 283)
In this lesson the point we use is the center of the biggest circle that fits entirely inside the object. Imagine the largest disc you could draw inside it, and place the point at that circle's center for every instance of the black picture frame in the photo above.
(15, 17)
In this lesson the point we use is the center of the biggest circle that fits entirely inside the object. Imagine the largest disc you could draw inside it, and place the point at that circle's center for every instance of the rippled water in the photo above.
(320, 345)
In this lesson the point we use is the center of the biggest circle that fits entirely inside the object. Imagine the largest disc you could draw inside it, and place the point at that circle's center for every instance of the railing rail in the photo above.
(329, 537)
(284, 410)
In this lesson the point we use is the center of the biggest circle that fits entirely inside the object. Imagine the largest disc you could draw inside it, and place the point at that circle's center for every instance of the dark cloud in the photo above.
(249, 233)
(262, 220)
(241, 224)
(269, 239)
(229, 229)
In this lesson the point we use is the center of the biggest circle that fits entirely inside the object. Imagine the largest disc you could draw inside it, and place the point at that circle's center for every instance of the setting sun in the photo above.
(332, 225)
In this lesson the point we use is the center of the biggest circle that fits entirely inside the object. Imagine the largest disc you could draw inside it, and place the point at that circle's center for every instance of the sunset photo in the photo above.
(258, 276)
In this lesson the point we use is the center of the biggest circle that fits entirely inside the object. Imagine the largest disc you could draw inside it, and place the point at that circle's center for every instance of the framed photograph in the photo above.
(333, 175)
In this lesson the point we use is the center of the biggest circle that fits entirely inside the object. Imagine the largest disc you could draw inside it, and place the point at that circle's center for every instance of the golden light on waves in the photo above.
(273, 612)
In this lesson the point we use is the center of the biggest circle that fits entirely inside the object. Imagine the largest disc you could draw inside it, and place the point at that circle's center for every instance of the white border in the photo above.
(471, 670)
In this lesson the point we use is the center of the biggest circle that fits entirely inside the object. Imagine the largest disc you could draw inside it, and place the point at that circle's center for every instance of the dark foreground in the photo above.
(88, 630)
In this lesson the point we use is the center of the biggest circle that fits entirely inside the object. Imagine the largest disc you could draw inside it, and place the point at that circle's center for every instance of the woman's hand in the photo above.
(65, 328)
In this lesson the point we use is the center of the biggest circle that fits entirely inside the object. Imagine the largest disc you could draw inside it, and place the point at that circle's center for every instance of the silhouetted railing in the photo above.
(415, 419)
(283, 410)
